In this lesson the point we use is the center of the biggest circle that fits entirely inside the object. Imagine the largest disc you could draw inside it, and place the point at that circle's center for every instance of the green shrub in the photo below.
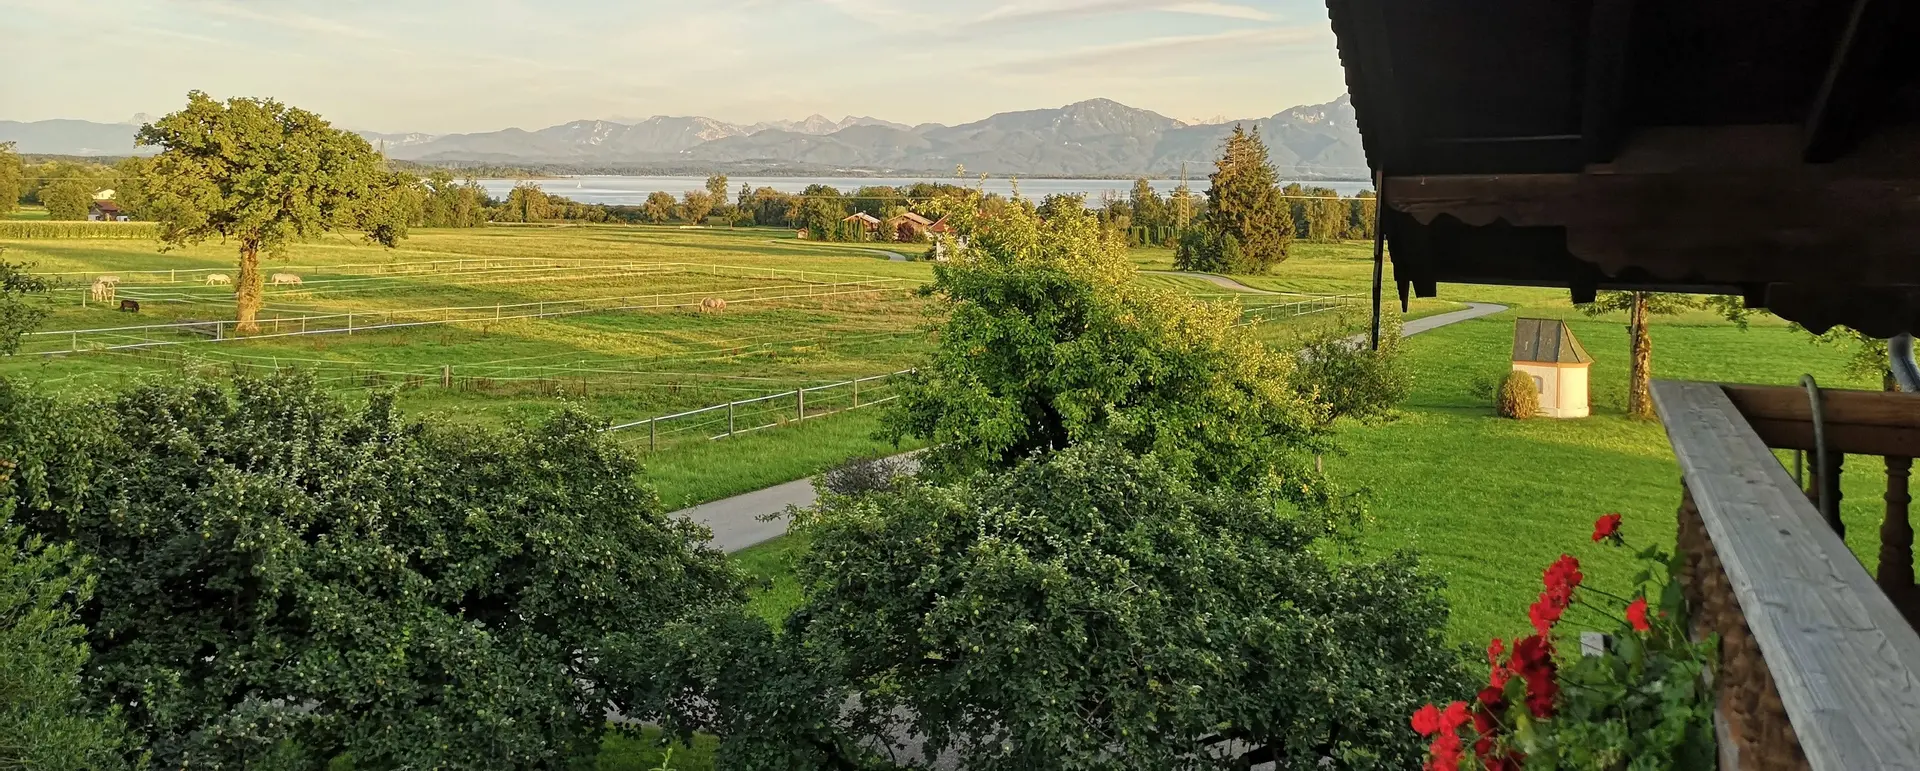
(1519, 398)
(1093, 609)
(45, 722)
(283, 581)
(1350, 377)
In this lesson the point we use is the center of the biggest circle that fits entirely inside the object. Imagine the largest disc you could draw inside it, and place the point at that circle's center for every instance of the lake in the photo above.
(632, 191)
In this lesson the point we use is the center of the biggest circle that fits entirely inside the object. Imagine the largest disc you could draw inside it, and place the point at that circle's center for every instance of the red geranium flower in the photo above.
(1606, 527)
(1454, 717)
(1445, 752)
(1563, 576)
(1533, 661)
(1637, 615)
(1426, 720)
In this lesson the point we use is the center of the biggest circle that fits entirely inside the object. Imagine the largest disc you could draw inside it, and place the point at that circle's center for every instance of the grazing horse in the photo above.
(713, 305)
(130, 306)
(102, 292)
(219, 279)
(281, 279)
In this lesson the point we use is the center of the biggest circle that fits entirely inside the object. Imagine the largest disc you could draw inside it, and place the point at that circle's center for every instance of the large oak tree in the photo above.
(266, 176)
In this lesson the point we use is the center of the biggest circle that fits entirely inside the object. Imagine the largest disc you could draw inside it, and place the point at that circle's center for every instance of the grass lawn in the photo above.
(26, 213)
(1489, 502)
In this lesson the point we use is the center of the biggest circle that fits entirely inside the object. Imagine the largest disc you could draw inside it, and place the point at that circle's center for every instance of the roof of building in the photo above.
(1546, 341)
(911, 217)
(1717, 146)
(106, 206)
(940, 226)
(863, 217)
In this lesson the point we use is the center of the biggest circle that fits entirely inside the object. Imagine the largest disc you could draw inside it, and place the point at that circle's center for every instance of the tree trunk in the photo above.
(247, 289)
(1640, 390)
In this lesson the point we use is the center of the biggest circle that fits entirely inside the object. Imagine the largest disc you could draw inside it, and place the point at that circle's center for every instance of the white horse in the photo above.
(102, 292)
(108, 280)
(219, 279)
(283, 279)
(713, 305)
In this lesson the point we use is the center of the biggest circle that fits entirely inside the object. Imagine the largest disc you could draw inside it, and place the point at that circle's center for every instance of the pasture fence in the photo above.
(741, 416)
(278, 324)
(1301, 305)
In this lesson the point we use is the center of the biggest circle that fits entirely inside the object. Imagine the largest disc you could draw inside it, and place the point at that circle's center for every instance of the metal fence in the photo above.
(279, 324)
(1304, 305)
(721, 421)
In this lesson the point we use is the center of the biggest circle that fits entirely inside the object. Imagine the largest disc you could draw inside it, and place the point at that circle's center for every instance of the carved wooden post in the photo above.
(1896, 539)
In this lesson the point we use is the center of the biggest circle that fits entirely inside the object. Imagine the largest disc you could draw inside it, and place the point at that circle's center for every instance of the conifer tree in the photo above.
(1244, 205)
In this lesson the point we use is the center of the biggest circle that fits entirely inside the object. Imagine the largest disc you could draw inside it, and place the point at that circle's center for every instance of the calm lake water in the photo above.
(632, 191)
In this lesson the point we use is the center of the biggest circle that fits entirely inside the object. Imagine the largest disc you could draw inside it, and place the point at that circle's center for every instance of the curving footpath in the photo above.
(1213, 278)
(736, 522)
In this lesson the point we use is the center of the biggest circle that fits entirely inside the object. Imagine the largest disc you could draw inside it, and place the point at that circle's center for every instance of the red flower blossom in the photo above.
(1426, 720)
(1497, 672)
(1563, 577)
(1454, 717)
(1637, 615)
(1544, 614)
(1606, 527)
(1533, 662)
(1445, 752)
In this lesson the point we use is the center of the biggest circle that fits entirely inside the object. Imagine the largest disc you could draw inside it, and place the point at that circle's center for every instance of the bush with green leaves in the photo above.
(45, 722)
(1091, 609)
(1049, 344)
(1348, 376)
(284, 581)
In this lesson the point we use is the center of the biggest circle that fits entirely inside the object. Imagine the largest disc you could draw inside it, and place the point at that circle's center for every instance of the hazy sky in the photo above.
(477, 65)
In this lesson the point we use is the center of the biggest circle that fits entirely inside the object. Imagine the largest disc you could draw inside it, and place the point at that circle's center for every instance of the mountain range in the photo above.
(1098, 137)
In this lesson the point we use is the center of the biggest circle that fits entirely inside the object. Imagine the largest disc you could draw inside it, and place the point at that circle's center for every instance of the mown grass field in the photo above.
(800, 315)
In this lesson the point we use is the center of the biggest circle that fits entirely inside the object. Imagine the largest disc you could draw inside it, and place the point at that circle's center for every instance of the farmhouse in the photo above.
(106, 211)
(907, 227)
(866, 221)
(1692, 147)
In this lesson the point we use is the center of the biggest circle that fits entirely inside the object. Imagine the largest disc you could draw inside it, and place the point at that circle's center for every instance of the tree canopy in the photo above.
(266, 176)
(1049, 344)
(1092, 609)
(67, 199)
(1247, 226)
(12, 175)
(283, 580)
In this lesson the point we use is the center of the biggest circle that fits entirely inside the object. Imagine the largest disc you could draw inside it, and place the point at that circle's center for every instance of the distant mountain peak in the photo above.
(1094, 137)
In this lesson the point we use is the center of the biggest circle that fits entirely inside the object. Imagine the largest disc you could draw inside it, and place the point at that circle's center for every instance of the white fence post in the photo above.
(729, 418)
(653, 435)
(800, 400)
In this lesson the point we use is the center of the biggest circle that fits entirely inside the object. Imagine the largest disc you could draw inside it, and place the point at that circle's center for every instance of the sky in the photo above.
(445, 66)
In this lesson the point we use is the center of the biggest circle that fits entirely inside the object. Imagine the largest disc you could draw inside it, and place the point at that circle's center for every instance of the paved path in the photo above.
(1213, 278)
(736, 523)
(893, 256)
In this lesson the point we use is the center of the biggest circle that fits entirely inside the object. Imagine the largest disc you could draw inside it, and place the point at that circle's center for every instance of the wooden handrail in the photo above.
(1845, 663)
(1858, 422)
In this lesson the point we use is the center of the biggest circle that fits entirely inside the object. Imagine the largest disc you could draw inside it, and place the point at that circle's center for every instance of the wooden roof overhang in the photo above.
(1764, 148)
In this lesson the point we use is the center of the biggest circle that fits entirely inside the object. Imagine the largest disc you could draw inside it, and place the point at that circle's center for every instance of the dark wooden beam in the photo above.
(1360, 26)
(1857, 422)
(1837, 118)
(1603, 124)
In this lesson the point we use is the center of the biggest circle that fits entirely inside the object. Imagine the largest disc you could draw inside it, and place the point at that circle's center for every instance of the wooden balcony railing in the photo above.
(1819, 667)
